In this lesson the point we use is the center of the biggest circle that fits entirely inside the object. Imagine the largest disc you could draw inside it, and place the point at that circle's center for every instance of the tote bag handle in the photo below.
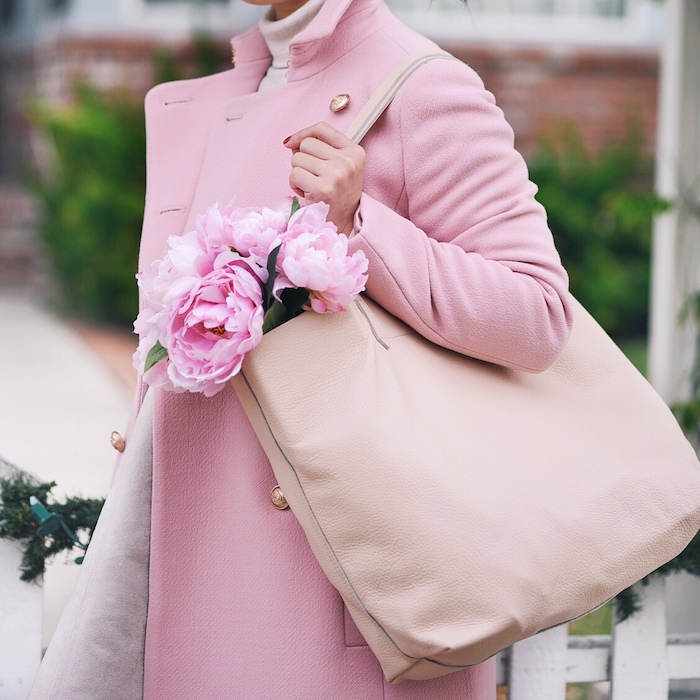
(385, 93)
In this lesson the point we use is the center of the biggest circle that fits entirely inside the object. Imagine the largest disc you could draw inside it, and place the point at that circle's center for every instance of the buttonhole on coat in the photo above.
(172, 210)
(234, 117)
(177, 102)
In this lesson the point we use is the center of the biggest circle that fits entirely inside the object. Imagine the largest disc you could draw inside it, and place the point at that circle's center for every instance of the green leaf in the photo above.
(293, 299)
(155, 355)
(276, 316)
(295, 206)
(271, 276)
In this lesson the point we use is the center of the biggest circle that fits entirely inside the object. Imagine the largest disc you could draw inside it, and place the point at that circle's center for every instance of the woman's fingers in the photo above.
(304, 184)
(323, 132)
(330, 180)
(316, 148)
(327, 167)
(311, 163)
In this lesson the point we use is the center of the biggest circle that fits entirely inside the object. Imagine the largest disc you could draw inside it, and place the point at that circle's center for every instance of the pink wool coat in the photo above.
(237, 606)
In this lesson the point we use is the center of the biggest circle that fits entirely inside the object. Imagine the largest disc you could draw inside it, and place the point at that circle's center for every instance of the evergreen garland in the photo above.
(19, 524)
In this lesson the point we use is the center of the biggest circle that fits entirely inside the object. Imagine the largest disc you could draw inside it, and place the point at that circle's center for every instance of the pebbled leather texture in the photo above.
(460, 506)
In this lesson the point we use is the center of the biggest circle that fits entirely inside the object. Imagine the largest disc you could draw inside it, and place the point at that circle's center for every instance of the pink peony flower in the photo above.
(315, 256)
(204, 301)
(203, 304)
(254, 232)
(215, 325)
(151, 322)
(150, 327)
(213, 225)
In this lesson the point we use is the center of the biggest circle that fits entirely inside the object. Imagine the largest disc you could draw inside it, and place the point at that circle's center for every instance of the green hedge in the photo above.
(92, 200)
(600, 208)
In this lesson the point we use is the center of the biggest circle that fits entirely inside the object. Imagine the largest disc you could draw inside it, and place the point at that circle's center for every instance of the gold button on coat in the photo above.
(278, 499)
(339, 102)
(117, 441)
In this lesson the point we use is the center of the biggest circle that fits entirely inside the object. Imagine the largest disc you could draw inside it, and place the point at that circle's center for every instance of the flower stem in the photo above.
(276, 315)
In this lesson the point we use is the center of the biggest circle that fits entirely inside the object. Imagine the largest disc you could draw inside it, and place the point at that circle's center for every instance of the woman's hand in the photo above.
(328, 167)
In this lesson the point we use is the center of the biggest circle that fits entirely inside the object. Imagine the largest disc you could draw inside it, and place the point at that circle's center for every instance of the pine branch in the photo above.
(19, 524)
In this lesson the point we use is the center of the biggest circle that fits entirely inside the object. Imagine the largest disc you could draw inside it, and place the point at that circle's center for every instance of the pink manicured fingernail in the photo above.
(287, 139)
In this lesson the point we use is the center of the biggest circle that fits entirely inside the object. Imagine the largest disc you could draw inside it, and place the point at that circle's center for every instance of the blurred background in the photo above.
(577, 79)
(580, 81)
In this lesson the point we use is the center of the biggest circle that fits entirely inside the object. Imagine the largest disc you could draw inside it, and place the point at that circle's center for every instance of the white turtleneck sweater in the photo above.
(279, 34)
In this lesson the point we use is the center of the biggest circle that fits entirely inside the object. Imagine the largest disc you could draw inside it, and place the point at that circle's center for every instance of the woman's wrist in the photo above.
(355, 225)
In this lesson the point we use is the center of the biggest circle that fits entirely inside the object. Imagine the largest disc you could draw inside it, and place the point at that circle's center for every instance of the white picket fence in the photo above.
(639, 658)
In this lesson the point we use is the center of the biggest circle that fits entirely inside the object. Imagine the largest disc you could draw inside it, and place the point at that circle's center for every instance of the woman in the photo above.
(232, 603)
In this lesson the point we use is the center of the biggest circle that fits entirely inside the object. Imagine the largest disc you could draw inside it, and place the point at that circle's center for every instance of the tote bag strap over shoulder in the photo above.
(385, 93)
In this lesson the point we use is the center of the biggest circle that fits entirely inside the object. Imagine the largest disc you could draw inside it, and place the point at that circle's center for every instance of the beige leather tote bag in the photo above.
(459, 506)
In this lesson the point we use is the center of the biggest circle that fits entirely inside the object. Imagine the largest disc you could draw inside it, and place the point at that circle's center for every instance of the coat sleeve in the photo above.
(472, 267)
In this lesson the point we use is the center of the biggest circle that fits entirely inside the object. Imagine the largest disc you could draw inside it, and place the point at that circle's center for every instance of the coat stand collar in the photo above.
(316, 45)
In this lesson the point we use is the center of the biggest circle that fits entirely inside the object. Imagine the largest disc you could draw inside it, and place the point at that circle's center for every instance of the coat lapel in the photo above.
(97, 651)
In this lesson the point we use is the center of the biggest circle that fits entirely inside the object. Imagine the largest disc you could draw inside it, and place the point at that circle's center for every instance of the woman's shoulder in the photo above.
(443, 98)
(444, 79)
(408, 42)
(442, 85)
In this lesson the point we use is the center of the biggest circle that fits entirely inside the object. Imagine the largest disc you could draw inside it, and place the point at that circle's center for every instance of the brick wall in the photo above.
(601, 89)
(48, 73)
